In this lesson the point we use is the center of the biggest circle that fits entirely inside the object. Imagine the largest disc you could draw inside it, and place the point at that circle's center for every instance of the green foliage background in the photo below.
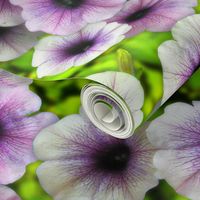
(62, 97)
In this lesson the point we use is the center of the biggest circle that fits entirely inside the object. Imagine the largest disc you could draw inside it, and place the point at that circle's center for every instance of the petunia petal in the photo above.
(173, 125)
(53, 148)
(19, 101)
(17, 146)
(68, 188)
(10, 15)
(8, 194)
(186, 32)
(180, 58)
(54, 18)
(177, 138)
(10, 171)
(17, 128)
(11, 80)
(177, 167)
(15, 41)
(155, 16)
(96, 8)
(166, 13)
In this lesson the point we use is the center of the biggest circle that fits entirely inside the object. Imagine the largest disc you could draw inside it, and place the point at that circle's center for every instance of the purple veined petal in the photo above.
(19, 100)
(63, 17)
(55, 54)
(178, 65)
(178, 141)
(124, 85)
(11, 80)
(173, 121)
(102, 10)
(155, 16)
(15, 41)
(8, 194)
(187, 31)
(180, 58)
(10, 15)
(18, 126)
(106, 167)
(16, 143)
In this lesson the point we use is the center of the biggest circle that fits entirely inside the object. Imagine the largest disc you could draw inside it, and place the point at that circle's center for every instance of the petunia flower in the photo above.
(8, 194)
(83, 162)
(180, 58)
(178, 141)
(15, 41)
(155, 15)
(63, 17)
(10, 15)
(18, 127)
(55, 54)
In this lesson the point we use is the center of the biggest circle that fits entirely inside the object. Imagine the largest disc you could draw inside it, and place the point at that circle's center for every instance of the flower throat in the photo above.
(3, 31)
(72, 4)
(80, 48)
(137, 15)
(114, 158)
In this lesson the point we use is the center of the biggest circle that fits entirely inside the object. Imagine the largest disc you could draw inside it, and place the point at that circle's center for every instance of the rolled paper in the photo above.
(107, 110)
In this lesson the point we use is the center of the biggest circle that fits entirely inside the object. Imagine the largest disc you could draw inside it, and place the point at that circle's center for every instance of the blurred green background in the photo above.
(63, 97)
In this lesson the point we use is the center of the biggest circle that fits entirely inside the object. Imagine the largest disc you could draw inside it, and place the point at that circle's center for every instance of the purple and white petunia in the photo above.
(15, 41)
(8, 194)
(17, 127)
(153, 15)
(63, 17)
(55, 54)
(83, 162)
(180, 58)
(10, 15)
(178, 141)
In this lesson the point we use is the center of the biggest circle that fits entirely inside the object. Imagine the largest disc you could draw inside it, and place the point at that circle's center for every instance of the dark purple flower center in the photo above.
(137, 15)
(3, 31)
(114, 158)
(81, 47)
(1, 130)
(69, 3)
